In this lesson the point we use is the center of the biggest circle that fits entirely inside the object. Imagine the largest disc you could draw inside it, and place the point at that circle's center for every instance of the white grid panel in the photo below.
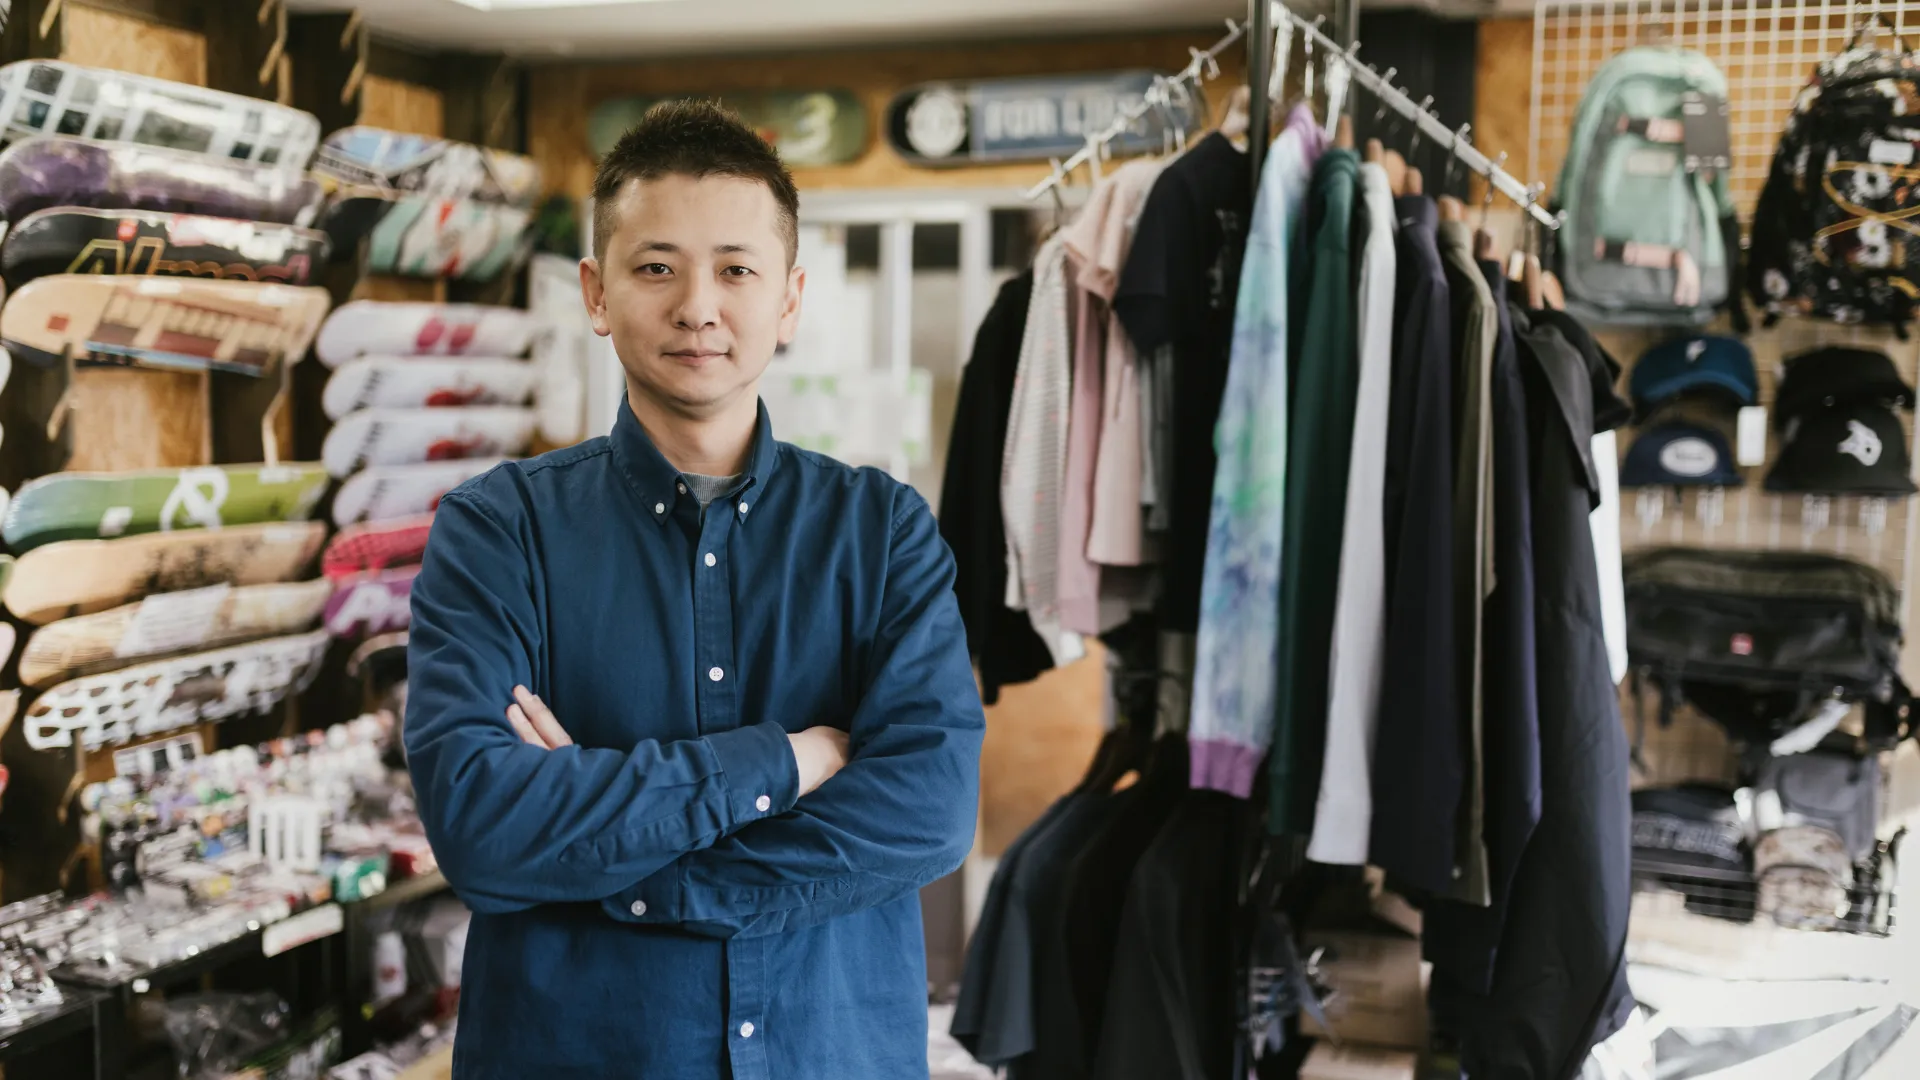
(1767, 49)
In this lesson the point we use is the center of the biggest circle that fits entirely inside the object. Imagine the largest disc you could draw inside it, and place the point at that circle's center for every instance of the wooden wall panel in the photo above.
(402, 106)
(1502, 88)
(1040, 739)
(561, 95)
(125, 419)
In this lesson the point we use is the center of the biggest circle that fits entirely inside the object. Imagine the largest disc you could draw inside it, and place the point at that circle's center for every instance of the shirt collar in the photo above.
(659, 484)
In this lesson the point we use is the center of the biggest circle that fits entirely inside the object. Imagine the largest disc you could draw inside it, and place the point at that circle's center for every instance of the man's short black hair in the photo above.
(692, 138)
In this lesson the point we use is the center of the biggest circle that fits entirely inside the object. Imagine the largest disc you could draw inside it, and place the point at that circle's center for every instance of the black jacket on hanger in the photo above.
(1559, 982)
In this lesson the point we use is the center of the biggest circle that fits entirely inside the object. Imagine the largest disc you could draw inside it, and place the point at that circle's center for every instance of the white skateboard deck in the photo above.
(80, 577)
(386, 492)
(401, 382)
(101, 710)
(207, 618)
(412, 436)
(364, 327)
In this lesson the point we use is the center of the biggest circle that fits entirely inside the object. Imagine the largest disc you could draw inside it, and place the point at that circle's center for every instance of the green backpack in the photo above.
(1649, 235)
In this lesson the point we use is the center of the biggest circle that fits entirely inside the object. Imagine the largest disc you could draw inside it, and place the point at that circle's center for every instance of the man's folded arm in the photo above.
(901, 814)
(515, 825)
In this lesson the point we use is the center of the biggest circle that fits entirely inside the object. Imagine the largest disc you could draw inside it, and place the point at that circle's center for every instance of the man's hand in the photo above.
(534, 722)
(819, 752)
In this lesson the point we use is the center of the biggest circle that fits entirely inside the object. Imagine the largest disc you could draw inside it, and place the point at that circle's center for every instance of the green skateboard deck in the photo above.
(85, 506)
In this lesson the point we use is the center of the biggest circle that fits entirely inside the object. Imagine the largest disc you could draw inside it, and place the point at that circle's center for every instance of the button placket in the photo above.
(715, 696)
(746, 1005)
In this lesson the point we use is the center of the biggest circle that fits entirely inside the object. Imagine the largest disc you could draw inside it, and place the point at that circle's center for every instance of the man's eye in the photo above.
(736, 271)
(656, 269)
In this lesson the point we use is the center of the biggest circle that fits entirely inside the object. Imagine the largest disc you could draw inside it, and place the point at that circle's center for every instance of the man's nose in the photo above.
(698, 306)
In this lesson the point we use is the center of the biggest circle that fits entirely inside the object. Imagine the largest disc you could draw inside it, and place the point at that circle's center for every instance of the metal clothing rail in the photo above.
(1204, 65)
(1456, 142)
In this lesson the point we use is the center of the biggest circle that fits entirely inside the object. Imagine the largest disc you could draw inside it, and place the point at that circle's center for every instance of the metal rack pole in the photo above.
(1260, 61)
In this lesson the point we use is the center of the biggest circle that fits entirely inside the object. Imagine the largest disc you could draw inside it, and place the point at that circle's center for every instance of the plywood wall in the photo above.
(128, 419)
(560, 96)
(418, 110)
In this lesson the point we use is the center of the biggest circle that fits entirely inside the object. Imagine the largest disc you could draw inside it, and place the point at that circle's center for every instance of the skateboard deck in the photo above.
(808, 127)
(241, 326)
(391, 161)
(69, 241)
(378, 651)
(412, 436)
(74, 506)
(401, 382)
(148, 699)
(364, 327)
(388, 492)
(57, 170)
(169, 623)
(80, 577)
(373, 546)
(47, 97)
(374, 604)
(423, 236)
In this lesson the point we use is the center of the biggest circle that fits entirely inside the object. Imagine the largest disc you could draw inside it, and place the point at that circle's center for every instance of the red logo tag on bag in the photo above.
(1741, 645)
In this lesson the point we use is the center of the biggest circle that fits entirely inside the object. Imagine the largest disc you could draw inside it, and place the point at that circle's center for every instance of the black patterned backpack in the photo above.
(1834, 233)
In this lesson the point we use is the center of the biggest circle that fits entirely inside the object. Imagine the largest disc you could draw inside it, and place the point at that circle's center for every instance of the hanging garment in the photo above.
(1115, 536)
(1178, 288)
(1002, 641)
(1323, 364)
(1606, 549)
(1475, 327)
(1033, 465)
(1234, 689)
(1560, 978)
(1418, 769)
(1462, 939)
(1345, 808)
(1084, 607)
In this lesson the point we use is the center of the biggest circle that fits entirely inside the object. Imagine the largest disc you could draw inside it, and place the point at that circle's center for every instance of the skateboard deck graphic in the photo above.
(423, 236)
(390, 161)
(808, 127)
(240, 326)
(387, 492)
(373, 546)
(80, 577)
(169, 623)
(374, 604)
(118, 706)
(49, 97)
(56, 170)
(67, 241)
(400, 382)
(74, 506)
(363, 327)
(412, 436)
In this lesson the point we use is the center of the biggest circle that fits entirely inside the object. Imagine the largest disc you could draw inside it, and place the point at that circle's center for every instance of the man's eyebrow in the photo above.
(674, 249)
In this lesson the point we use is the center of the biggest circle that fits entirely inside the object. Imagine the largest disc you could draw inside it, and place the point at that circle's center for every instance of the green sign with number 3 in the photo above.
(816, 127)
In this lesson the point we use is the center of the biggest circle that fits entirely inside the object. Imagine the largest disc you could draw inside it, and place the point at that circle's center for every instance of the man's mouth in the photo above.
(696, 355)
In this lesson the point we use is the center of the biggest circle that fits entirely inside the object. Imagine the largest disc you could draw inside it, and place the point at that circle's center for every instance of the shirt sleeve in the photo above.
(515, 825)
(902, 812)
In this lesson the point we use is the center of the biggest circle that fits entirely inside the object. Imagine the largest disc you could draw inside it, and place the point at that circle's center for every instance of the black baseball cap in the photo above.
(1853, 449)
(1837, 375)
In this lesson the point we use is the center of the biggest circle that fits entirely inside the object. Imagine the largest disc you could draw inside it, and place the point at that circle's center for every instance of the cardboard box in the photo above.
(1379, 995)
(1328, 1062)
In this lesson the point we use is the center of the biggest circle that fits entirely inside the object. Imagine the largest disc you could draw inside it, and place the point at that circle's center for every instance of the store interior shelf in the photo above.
(72, 1018)
(402, 892)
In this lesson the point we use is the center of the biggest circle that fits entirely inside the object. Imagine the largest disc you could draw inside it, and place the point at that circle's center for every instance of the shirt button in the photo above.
(710, 559)
(659, 508)
(763, 804)
(716, 674)
(746, 1030)
(639, 908)
(743, 508)
(682, 487)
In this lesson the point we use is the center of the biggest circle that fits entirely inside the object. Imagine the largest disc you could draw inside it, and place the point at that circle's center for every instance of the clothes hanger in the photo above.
(1483, 245)
(1531, 277)
(1416, 183)
(1389, 160)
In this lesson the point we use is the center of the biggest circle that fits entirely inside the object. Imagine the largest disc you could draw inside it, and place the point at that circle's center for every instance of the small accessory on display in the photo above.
(1838, 376)
(1680, 454)
(1718, 365)
(1857, 449)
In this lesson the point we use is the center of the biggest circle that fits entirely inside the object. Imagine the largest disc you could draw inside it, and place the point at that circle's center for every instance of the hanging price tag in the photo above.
(1752, 448)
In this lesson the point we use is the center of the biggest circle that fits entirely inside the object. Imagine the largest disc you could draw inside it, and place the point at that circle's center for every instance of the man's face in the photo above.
(694, 289)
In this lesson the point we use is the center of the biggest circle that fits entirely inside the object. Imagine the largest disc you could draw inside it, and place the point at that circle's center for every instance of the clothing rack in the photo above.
(1204, 65)
(1456, 142)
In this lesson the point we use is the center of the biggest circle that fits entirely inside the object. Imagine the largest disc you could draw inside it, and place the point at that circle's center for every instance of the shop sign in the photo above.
(965, 123)
(808, 127)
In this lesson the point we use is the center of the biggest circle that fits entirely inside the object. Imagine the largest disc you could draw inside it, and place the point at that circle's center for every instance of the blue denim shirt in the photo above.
(655, 902)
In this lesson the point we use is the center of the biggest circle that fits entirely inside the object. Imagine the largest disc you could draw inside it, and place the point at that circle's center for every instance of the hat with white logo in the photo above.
(1855, 449)
(1679, 453)
(1704, 364)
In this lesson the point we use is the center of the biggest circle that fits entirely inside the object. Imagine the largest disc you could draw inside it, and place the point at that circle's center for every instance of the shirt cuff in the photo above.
(757, 766)
(1219, 765)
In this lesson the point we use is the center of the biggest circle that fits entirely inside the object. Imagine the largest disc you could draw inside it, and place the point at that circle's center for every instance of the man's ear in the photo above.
(594, 292)
(790, 308)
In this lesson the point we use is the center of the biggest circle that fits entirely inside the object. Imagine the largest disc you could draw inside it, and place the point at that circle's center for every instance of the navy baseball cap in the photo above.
(1856, 449)
(1721, 366)
(1679, 453)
